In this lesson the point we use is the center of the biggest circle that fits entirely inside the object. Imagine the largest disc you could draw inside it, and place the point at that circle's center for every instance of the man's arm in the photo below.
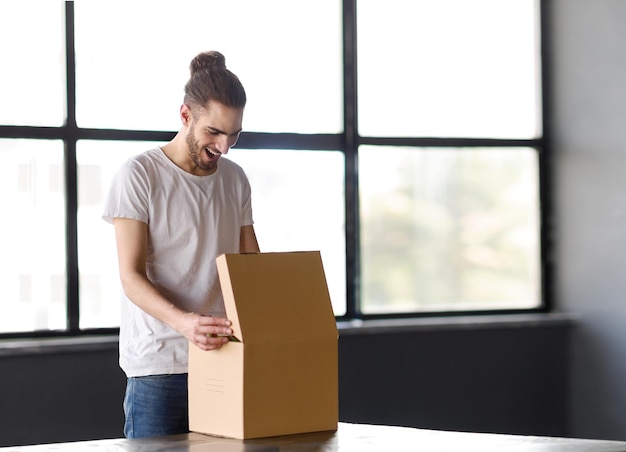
(132, 241)
(247, 241)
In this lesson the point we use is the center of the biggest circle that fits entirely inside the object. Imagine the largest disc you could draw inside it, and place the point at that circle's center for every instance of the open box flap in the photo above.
(276, 296)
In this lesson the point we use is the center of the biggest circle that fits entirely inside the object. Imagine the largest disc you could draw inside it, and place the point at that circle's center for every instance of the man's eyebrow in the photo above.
(213, 129)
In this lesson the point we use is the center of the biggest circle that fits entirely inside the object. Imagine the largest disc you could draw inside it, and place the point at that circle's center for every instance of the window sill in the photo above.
(39, 346)
(482, 322)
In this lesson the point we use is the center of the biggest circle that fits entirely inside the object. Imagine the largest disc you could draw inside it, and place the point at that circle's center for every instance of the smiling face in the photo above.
(210, 132)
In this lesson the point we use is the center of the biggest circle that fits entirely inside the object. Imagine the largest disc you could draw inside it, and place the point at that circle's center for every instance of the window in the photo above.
(449, 68)
(401, 139)
(33, 235)
(448, 229)
(449, 125)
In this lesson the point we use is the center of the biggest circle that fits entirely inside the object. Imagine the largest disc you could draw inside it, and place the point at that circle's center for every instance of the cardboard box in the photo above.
(282, 377)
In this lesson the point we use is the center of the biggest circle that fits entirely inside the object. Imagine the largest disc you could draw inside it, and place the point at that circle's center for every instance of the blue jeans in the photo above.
(156, 405)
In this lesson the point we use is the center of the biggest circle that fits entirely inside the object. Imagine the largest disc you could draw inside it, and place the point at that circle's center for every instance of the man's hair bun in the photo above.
(207, 60)
(211, 81)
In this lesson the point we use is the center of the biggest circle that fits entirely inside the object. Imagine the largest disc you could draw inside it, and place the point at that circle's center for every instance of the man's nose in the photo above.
(223, 145)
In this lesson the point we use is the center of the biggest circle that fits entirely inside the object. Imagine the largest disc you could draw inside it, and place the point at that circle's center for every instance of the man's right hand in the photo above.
(205, 331)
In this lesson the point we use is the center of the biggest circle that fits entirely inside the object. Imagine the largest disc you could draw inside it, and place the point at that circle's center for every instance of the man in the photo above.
(174, 210)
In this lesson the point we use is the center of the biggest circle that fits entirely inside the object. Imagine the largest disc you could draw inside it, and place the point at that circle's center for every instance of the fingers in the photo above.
(210, 343)
(210, 320)
(207, 320)
(209, 332)
(208, 325)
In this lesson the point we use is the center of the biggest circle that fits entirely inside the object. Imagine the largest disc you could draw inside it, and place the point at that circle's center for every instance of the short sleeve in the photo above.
(246, 207)
(129, 194)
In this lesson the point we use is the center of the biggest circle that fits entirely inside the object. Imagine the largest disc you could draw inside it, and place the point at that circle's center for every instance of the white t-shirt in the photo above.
(191, 220)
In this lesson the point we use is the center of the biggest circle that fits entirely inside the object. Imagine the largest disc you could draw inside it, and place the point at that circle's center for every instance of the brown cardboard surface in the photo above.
(282, 378)
(272, 296)
(215, 395)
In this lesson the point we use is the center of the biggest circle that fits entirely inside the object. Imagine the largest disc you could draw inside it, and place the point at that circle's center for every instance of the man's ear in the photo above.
(185, 115)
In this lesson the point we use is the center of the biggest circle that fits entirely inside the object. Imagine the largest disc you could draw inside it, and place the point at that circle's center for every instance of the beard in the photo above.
(196, 151)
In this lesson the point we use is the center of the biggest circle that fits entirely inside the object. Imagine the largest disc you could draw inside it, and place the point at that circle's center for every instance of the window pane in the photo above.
(298, 205)
(32, 263)
(449, 68)
(97, 257)
(449, 229)
(287, 55)
(33, 63)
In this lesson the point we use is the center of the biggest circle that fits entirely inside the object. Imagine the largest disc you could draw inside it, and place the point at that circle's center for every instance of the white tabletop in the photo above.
(349, 437)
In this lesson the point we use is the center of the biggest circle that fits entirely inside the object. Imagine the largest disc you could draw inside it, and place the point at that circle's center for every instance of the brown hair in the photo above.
(211, 81)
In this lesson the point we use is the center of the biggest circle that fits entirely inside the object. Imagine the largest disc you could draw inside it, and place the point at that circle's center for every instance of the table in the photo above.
(349, 437)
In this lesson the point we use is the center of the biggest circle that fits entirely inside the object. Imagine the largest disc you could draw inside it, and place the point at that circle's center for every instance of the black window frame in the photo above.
(348, 141)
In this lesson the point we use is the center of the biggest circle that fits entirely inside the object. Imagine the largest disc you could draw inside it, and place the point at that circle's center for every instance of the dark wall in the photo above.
(71, 394)
(501, 379)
